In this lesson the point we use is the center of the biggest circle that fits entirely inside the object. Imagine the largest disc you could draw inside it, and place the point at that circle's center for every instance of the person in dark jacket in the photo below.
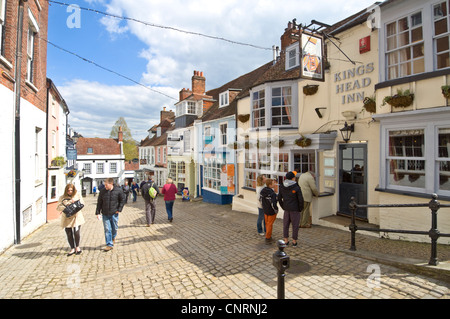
(150, 203)
(110, 203)
(291, 200)
(268, 199)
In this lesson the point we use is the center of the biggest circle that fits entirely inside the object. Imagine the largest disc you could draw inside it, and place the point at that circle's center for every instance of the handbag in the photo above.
(73, 208)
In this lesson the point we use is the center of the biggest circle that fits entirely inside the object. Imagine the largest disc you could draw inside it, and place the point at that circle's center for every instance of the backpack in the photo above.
(152, 192)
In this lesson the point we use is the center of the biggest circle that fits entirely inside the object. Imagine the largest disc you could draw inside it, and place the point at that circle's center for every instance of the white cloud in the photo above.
(172, 56)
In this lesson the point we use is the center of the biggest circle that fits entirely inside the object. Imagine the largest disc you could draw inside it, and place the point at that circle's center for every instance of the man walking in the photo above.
(150, 203)
(291, 200)
(110, 203)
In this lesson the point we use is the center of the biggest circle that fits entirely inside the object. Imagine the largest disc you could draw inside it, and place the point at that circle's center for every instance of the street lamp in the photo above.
(347, 131)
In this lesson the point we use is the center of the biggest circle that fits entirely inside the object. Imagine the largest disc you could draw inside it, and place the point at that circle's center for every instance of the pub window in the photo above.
(441, 34)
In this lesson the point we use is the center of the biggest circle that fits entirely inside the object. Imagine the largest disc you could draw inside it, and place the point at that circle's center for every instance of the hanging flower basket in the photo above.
(310, 89)
(234, 146)
(370, 104)
(401, 99)
(446, 91)
(243, 117)
(303, 141)
(247, 145)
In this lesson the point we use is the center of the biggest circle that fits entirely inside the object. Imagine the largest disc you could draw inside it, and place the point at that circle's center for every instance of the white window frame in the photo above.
(113, 168)
(224, 99)
(266, 121)
(100, 168)
(87, 167)
(223, 133)
(430, 121)
(33, 30)
(292, 56)
(440, 36)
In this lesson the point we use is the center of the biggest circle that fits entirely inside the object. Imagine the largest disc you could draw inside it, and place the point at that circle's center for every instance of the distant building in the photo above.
(100, 158)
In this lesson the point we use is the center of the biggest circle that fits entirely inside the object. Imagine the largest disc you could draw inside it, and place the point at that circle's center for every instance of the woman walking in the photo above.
(260, 183)
(169, 190)
(71, 224)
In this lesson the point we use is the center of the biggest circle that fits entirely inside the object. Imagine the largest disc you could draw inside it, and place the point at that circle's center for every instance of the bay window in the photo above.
(275, 105)
(441, 34)
(415, 152)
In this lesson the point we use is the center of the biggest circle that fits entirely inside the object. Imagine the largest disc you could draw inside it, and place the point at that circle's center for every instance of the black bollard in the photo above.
(281, 262)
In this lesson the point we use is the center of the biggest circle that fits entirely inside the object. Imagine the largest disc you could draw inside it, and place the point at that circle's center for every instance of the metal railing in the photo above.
(433, 233)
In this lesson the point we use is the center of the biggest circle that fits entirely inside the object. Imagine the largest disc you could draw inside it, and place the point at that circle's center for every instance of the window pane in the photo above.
(418, 50)
(403, 24)
(407, 173)
(405, 54)
(442, 44)
(392, 43)
(443, 60)
(392, 58)
(416, 19)
(405, 69)
(419, 66)
(444, 142)
(444, 174)
(416, 35)
(403, 39)
(440, 10)
(391, 29)
(440, 27)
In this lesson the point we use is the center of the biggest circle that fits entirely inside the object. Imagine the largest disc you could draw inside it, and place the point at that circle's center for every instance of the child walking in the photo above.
(269, 203)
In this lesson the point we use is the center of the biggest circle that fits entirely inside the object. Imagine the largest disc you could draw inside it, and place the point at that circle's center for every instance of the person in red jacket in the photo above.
(169, 190)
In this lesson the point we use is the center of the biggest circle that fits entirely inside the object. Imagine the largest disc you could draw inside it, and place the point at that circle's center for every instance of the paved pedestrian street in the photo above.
(207, 252)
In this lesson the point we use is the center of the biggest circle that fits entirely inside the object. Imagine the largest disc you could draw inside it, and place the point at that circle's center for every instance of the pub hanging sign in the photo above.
(311, 56)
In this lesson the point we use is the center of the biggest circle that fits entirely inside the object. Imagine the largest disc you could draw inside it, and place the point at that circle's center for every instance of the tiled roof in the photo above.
(100, 146)
(240, 84)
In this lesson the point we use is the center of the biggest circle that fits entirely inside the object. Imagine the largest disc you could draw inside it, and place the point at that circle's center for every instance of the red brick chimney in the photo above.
(198, 83)
(184, 93)
(120, 134)
(290, 35)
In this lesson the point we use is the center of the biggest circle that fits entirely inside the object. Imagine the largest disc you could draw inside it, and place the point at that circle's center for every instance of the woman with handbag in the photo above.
(73, 223)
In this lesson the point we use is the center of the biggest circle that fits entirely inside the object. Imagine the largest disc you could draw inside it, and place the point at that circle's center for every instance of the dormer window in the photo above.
(90, 150)
(292, 56)
(224, 99)
(188, 107)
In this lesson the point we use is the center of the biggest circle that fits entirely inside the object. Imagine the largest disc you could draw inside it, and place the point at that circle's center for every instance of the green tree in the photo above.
(130, 148)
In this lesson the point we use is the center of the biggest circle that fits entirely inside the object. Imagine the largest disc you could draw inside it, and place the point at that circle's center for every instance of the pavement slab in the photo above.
(212, 252)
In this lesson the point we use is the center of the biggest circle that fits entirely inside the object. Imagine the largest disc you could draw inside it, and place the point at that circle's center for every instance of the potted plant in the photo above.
(310, 89)
(370, 104)
(243, 117)
(303, 141)
(446, 91)
(401, 99)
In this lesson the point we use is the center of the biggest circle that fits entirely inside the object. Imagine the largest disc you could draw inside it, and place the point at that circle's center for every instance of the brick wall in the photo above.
(36, 94)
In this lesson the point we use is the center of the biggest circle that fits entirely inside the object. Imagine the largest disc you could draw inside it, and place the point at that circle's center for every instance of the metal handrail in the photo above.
(434, 233)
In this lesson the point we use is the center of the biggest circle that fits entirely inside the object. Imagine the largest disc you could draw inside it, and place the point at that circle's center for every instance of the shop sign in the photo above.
(348, 81)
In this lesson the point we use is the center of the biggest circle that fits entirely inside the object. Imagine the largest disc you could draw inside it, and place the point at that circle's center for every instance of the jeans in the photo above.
(260, 222)
(110, 225)
(169, 208)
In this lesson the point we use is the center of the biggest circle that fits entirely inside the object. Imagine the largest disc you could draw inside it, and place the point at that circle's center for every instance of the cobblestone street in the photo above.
(208, 252)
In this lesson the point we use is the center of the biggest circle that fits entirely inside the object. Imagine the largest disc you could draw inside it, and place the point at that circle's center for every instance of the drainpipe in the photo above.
(17, 118)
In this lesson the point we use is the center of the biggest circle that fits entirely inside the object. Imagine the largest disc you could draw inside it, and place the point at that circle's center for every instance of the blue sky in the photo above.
(164, 59)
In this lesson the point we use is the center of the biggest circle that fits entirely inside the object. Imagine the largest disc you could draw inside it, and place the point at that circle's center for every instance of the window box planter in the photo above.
(310, 89)
(401, 99)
